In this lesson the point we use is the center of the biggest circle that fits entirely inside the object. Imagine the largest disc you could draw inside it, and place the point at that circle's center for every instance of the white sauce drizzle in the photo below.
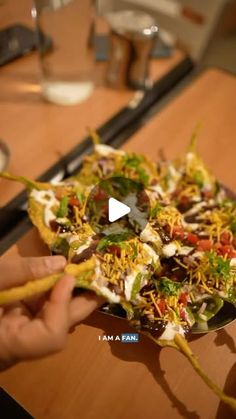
(48, 200)
(105, 150)
(233, 262)
(169, 249)
(185, 250)
(150, 235)
(110, 295)
(171, 330)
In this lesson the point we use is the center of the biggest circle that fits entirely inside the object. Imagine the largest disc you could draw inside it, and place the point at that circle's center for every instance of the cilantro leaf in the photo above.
(132, 160)
(218, 266)
(167, 287)
(142, 175)
(155, 210)
(113, 238)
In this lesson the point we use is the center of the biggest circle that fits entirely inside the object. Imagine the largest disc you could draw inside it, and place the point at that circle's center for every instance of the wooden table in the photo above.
(38, 133)
(91, 378)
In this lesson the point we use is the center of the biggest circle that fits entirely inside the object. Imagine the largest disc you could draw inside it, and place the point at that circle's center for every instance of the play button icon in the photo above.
(116, 210)
(117, 205)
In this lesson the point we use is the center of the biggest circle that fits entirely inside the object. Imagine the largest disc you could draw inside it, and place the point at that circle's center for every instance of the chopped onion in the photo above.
(202, 308)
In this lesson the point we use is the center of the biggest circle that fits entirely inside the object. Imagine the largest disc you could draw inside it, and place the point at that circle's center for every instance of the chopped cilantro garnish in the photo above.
(135, 249)
(219, 267)
(132, 160)
(118, 239)
(167, 287)
(155, 210)
(142, 175)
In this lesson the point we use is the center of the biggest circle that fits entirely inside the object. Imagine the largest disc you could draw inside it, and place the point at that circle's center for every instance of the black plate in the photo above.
(225, 316)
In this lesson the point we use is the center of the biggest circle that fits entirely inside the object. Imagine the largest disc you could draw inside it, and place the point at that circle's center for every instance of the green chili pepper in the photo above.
(63, 209)
(136, 286)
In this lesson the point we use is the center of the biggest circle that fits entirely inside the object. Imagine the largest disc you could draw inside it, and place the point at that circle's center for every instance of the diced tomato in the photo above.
(178, 232)
(176, 192)
(174, 278)
(100, 195)
(192, 238)
(227, 250)
(182, 314)
(207, 194)
(204, 245)
(184, 200)
(154, 182)
(183, 299)
(115, 250)
(74, 202)
(225, 237)
(105, 208)
(142, 197)
(217, 246)
(162, 306)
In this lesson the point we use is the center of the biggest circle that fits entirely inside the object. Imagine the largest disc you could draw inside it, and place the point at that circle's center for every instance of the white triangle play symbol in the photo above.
(116, 209)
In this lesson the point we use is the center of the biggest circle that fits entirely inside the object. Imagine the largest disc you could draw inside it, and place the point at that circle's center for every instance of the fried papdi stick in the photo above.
(184, 347)
(94, 135)
(30, 184)
(83, 273)
(181, 344)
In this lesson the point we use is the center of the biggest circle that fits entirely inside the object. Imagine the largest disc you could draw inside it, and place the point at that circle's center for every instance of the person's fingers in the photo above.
(12, 322)
(80, 307)
(45, 335)
(17, 271)
(16, 309)
(57, 308)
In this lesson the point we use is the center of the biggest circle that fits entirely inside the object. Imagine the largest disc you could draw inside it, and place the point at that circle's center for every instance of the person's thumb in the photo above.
(15, 271)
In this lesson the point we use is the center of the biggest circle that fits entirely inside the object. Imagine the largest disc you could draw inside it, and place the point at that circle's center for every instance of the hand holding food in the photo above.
(35, 328)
